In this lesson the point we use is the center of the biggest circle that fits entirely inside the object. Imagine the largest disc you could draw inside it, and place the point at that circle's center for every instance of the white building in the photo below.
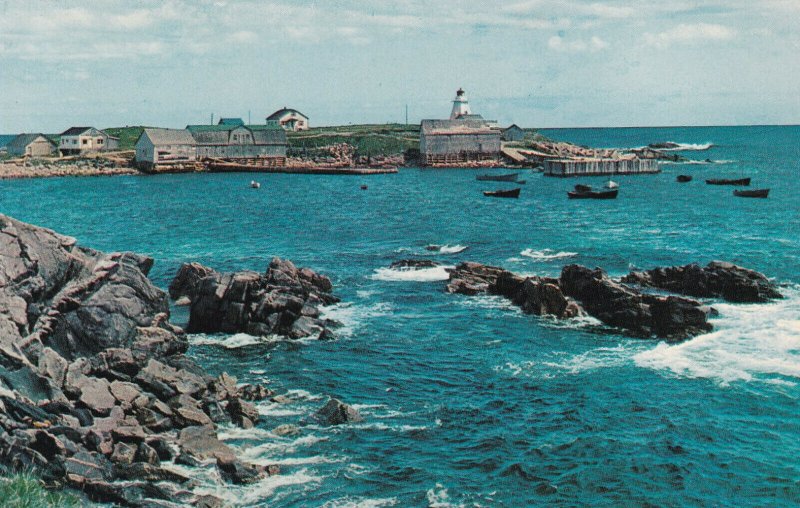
(78, 140)
(460, 105)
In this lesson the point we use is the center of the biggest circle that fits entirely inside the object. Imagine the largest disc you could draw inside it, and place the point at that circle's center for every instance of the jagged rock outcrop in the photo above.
(94, 382)
(580, 289)
(283, 301)
(669, 317)
(534, 295)
(718, 279)
(336, 412)
(413, 264)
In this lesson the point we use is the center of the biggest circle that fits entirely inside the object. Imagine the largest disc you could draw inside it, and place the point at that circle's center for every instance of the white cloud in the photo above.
(560, 44)
(685, 33)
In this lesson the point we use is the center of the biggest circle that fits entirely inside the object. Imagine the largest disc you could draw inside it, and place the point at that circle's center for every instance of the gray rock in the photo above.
(336, 412)
(201, 443)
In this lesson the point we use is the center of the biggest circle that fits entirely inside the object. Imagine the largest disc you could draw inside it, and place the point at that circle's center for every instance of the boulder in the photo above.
(237, 472)
(201, 443)
(413, 264)
(336, 412)
(718, 279)
(187, 280)
(282, 301)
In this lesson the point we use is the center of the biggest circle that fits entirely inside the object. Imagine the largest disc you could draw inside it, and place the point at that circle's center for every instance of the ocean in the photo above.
(467, 401)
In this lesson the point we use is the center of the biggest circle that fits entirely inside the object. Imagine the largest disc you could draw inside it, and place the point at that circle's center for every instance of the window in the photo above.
(85, 141)
(99, 141)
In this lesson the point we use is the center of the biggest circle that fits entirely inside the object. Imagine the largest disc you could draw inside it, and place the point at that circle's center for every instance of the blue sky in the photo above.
(538, 63)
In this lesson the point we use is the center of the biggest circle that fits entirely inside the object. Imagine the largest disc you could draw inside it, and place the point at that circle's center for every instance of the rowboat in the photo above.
(607, 194)
(755, 193)
(684, 178)
(511, 177)
(726, 181)
(513, 193)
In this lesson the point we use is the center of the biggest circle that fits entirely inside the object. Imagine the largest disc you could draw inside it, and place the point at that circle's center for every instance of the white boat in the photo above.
(254, 184)
(611, 184)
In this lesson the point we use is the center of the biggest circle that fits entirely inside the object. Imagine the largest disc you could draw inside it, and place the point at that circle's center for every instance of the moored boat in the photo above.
(254, 185)
(512, 193)
(755, 193)
(583, 188)
(611, 184)
(728, 181)
(606, 194)
(511, 177)
(684, 178)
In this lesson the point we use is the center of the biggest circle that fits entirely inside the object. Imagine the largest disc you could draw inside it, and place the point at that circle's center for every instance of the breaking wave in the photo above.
(235, 341)
(686, 147)
(447, 249)
(423, 275)
(759, 342)
(352, 316)
(546, 254)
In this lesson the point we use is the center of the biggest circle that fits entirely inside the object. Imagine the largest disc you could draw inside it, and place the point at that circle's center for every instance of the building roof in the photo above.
(230, 121)
(207, 128)
(75, 131)
(269, 133)
(278, 114)
(169, 136)
(513, 126)
(458, 126)
(23, 140)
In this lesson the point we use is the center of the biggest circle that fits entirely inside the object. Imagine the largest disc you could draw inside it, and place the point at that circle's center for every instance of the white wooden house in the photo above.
(79, 140)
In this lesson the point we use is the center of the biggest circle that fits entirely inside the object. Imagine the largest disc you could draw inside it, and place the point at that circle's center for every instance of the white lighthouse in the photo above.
(460, 105)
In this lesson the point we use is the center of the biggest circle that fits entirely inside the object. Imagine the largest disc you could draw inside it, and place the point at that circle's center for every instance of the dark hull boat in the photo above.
(608, 194)
(583, 188)
(512, 177)
(513, 193)
(726, 181)
(755, 193)
(684, 178)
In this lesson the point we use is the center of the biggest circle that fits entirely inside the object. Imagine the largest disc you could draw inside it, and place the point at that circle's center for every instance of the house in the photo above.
(230, 121)
(31, 145)
(261, 145)
(79, 140)
(513, 133)
(465, 137)
(165, 149)
(290, 119)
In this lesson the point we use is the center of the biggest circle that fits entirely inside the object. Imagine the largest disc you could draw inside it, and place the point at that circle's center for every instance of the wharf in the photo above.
(599, 167)
(302, 170)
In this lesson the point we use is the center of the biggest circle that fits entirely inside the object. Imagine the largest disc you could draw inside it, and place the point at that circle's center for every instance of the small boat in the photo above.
(364, 187)
(755, 193)
(684, 178)
(583, 188)
(607, 194)
(511, 177)
(255, 185)
(611, 184)
(513, 193)
(727, 181)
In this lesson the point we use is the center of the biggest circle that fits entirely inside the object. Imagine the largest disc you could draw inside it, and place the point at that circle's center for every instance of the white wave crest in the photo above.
(354, 502)
(433, 274)
(438, 497)
(449, 249)
(257, 492)
(352, 316)
(685, 147)
(234, 341)
(759, 342)
(546, 254)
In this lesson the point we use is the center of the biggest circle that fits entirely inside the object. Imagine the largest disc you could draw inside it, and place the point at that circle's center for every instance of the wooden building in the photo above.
(31, 145)
(289, 119)
(513, 133)
(259, 145)
(79, 140)
(597, 167)
(165, 150)
(447, 142)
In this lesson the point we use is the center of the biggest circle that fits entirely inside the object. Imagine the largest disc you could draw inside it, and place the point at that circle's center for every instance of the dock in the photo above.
(599, 167)
(302, 170)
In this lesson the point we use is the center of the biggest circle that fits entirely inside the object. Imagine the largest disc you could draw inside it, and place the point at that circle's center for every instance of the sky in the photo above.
(537, 63)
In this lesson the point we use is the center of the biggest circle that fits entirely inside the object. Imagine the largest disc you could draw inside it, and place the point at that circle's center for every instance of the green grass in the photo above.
(374, 139)
(23, 490)
(127, 135)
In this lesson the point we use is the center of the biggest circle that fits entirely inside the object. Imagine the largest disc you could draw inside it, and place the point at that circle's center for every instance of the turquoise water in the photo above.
(466, 400)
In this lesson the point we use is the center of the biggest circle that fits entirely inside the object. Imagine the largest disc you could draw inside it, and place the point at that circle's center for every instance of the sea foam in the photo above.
(546, 254)
(685, 147)
(433, 274)
(759, 342)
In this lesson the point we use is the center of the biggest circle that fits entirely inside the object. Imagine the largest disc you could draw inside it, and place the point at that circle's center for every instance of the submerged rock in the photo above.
(717, 280)
(284, 301)
(413, 264)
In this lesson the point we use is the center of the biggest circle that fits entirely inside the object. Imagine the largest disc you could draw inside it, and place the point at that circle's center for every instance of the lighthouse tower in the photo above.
(460, 105)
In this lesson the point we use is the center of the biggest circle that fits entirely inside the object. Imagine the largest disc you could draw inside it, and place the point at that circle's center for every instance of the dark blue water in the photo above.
(466, 400)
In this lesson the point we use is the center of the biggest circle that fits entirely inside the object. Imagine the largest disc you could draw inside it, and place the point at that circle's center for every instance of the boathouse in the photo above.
(289, 119)
(79, 140)
(258, 145)
(465, 137)
(592, 167)
(31, 145)
(513, 133)
(165, 150)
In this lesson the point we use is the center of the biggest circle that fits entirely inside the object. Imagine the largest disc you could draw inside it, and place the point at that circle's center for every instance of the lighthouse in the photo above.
(460, 105)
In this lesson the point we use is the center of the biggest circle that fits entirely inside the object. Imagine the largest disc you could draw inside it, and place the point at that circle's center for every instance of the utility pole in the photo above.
(212, 119)
(248, 118)
(406, 114)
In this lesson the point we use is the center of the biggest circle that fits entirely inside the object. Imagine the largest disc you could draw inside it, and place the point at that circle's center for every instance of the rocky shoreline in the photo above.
(96, 391)
(583, 291)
